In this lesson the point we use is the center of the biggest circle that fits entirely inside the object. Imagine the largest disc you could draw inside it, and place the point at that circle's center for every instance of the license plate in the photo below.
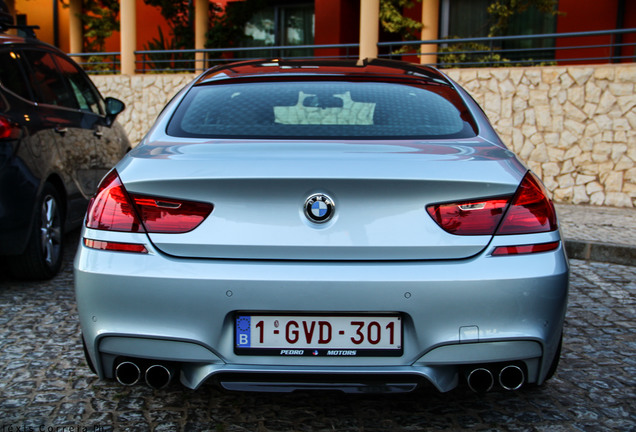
(301, 335)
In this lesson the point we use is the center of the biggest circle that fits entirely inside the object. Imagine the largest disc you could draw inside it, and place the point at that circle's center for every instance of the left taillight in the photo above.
(114, 209)
(9, 129)
(163, 215)
(111, 208)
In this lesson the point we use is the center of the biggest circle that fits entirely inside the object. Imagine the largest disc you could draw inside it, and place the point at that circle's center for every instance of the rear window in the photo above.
(322, 110)
(11, 75)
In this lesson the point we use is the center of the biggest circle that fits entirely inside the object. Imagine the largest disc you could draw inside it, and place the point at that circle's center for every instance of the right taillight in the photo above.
(528, 211)
(477, 217)
(114, 209)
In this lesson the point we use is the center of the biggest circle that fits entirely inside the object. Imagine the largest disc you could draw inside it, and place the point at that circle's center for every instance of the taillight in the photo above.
(114, 209)
(9, 129)
(111, 209)
(161, 215)
(529, 211)
(479, 217)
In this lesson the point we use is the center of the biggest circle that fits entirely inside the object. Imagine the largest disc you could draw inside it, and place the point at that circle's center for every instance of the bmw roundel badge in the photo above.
(319, 208)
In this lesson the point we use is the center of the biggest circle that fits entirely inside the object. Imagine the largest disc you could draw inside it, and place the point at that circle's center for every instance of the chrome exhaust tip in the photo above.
(158, 376)
(480, 380)
(511, 377)
(127, 373)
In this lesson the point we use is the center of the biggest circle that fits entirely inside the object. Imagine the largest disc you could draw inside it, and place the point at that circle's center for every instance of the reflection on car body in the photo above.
(58, 139)
(295, 225)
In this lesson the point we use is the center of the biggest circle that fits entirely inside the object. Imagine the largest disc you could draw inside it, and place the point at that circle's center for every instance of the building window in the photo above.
(470, 18)
(282, 25)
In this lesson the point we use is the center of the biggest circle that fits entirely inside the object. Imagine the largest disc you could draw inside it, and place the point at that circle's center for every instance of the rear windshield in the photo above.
(322, 110)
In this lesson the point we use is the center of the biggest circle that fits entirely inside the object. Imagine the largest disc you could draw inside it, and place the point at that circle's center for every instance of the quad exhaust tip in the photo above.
(127, 373)
(157, 376)
(482, 380)
(511, 377)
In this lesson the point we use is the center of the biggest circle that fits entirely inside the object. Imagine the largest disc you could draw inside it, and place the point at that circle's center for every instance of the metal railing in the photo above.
(185, 60)
(99, 63)
(492, 51)
(553, 48)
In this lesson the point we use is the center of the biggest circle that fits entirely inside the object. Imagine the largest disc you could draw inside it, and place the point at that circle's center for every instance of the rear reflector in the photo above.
(115, 246)
(525, 249)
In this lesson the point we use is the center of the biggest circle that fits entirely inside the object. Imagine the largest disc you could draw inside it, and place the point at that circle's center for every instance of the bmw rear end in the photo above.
(311, 225)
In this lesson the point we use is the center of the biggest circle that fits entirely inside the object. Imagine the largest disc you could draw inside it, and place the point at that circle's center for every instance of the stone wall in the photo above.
(574, 126)
(144, 96)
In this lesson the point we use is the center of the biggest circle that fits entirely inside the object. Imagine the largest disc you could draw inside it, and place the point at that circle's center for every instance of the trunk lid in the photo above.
(380, 191)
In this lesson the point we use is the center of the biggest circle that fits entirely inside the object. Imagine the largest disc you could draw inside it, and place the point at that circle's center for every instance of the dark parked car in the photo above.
(58, 137)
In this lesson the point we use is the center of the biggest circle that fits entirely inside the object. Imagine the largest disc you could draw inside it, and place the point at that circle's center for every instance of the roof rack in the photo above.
(29, 30)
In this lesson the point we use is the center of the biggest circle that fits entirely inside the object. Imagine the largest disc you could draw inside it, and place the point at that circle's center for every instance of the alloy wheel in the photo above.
(50, 230)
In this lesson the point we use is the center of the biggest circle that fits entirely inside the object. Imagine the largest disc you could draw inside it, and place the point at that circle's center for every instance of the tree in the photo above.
(180, 17)
(503, 10)
(99, 20)
(393, 21)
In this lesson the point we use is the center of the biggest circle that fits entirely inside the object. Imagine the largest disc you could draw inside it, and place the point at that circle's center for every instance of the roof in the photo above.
(344, 68)
(6, 39)
(10, 39)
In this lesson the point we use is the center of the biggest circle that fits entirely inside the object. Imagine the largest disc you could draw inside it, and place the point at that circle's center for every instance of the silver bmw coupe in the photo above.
(290, 225)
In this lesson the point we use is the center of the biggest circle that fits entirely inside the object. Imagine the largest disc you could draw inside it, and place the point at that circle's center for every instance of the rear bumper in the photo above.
(482, 310)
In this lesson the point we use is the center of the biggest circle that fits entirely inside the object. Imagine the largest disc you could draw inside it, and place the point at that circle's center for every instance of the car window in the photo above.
(46, 81)
(87, 97)
(323, 109)
(11, 74)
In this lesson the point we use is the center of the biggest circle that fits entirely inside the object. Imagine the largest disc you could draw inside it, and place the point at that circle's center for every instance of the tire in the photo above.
(42, 258)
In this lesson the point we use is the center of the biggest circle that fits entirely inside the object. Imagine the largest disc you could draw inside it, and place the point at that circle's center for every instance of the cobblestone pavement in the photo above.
(598, 224)
(46, 386)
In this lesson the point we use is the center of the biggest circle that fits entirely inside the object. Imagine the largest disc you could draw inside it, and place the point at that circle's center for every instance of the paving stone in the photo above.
(44, 381)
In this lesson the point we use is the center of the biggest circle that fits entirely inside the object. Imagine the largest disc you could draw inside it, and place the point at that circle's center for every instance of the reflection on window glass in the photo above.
(86, 96)
(281, 25)
(299, 26)
(261, 28)
(11, 76)
(47, 82)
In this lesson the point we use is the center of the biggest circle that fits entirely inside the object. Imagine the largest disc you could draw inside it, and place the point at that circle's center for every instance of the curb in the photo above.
(602, 252)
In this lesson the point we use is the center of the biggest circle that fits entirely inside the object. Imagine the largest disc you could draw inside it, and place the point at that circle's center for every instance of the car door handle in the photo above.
(98, 134)
(61, 130)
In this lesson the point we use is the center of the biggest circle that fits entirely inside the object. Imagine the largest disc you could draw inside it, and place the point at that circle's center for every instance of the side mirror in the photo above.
(113, 108)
